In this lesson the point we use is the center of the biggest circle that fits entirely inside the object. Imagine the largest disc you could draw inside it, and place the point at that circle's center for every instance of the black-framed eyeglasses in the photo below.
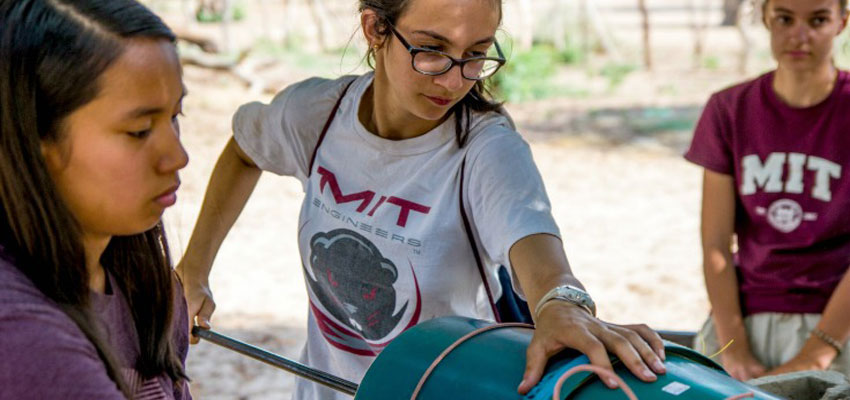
(434, 62)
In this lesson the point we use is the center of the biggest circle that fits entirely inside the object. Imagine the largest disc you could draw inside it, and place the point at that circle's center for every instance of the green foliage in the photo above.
(572, 53)
(711, 63)
(528, 75)
(616, 73)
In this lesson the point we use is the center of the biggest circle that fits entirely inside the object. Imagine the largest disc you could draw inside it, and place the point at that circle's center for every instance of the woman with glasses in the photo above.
(416, 186)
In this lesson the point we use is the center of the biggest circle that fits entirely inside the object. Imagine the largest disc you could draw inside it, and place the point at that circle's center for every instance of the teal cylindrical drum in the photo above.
(490, 366)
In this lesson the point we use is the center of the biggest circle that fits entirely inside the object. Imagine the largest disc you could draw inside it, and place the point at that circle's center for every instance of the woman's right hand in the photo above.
(199, 299)
(741, 364)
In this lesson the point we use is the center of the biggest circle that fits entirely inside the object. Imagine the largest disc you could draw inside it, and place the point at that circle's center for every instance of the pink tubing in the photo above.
(608, 374)
(601, 372)
(556, 394)
(455, 345)
(742, 396)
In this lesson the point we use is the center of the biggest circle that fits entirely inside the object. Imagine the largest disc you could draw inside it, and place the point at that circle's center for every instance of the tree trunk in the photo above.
(584, 18)
(730, 12)
(746, 41)
(526, 36)
(699, 23)
(647, 48)
(324, 27)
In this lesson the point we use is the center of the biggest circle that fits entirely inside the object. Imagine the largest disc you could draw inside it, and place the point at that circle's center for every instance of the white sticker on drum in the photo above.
(676, 388)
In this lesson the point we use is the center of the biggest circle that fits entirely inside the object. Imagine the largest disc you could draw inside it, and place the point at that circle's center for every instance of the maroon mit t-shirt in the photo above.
(44, 355)
(791, 168)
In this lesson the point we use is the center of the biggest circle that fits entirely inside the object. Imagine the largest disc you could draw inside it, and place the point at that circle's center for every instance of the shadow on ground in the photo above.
(219, 373)
(670, 128)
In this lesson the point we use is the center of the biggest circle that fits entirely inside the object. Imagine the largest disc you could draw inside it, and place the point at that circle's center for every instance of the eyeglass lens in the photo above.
(436, 63)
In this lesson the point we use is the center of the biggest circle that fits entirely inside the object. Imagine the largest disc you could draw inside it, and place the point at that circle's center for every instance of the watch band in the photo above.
(569, 294)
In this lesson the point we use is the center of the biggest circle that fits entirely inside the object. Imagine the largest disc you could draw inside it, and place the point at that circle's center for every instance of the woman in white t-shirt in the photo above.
(415, 186)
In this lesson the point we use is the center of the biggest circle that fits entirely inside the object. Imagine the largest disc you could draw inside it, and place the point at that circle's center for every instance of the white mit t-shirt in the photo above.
(382, 241)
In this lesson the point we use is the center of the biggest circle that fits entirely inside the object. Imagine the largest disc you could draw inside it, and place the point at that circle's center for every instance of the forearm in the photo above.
(834, 321)
(231, 184)
(722, 286)
(540, 264)
(834, 324)
(716, 231)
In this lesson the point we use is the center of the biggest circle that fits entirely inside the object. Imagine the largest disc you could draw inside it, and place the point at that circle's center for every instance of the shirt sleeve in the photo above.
(506, 196)
(711, 145)
(280, 136)
(43, 355)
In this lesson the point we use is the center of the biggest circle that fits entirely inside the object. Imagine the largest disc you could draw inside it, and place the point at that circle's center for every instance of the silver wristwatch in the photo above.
(570, 294)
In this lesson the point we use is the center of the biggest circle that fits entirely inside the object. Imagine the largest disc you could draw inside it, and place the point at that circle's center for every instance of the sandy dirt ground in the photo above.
(627, 205)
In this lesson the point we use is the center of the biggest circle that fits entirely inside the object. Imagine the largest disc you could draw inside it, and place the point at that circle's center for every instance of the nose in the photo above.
(172, 157)
(451, 80)
(801, 33)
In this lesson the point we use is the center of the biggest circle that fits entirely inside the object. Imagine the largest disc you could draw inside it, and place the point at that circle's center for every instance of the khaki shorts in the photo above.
(775, 338)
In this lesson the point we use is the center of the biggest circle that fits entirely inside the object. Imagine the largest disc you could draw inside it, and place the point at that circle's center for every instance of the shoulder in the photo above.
(38, 343)
(318, 89)
(733, 96)
(300, 103)
(844, 84)
(494, 134)
(28, 317)
(16, 289)
(313, 95)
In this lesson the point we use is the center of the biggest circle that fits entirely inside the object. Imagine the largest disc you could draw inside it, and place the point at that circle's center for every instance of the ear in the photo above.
(369, 22)
(844, 16)
(53, 155)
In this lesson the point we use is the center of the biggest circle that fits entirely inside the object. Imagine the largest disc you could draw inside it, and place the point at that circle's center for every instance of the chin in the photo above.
(430, 112)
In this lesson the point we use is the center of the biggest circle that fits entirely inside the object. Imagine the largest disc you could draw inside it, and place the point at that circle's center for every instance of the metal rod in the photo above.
(324, 378)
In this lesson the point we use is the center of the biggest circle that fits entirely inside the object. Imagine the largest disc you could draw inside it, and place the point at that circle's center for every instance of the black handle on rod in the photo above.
(324, 378)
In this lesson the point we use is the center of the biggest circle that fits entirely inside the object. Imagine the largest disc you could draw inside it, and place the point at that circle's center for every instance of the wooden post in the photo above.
(526, 37)
(647, 48)
(730, 12)
(699, 23)
(323, 25)
(746, 40)
(584, 20)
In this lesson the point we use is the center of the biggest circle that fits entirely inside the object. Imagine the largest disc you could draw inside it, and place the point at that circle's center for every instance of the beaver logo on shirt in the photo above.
(355, 285)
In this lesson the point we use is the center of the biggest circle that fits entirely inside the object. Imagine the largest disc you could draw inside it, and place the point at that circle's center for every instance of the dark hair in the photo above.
(842, 7)
(51, 55)
(478, 99)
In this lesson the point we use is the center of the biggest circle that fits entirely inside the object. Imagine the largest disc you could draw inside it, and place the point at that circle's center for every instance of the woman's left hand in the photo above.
(815, 355)
(562, 325)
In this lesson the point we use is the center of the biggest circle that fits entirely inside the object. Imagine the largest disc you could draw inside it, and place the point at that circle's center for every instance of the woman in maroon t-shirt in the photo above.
(777, 178)
(89, 152)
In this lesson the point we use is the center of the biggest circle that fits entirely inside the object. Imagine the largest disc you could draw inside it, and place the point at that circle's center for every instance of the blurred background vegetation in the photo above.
(651, 59)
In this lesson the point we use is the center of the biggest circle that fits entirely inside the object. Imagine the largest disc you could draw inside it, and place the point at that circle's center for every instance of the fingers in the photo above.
(648, 344)
(200, 313)
(651, 337)
(595, 350)
(615, 339)
(535, 362)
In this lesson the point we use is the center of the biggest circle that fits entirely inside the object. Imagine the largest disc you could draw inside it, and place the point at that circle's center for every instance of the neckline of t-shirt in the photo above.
(840, 80)
(425, 143)
(100, 301)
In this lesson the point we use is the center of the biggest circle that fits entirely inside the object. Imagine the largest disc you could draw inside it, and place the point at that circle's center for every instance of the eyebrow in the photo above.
(442, 38)
(146, 111)
(787, 11)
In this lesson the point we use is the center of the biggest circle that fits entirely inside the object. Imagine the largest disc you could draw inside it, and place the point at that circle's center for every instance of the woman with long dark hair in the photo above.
(417, 187)
(90, 307)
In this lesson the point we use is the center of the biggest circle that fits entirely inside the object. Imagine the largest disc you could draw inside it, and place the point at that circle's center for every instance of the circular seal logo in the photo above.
(785, 215)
